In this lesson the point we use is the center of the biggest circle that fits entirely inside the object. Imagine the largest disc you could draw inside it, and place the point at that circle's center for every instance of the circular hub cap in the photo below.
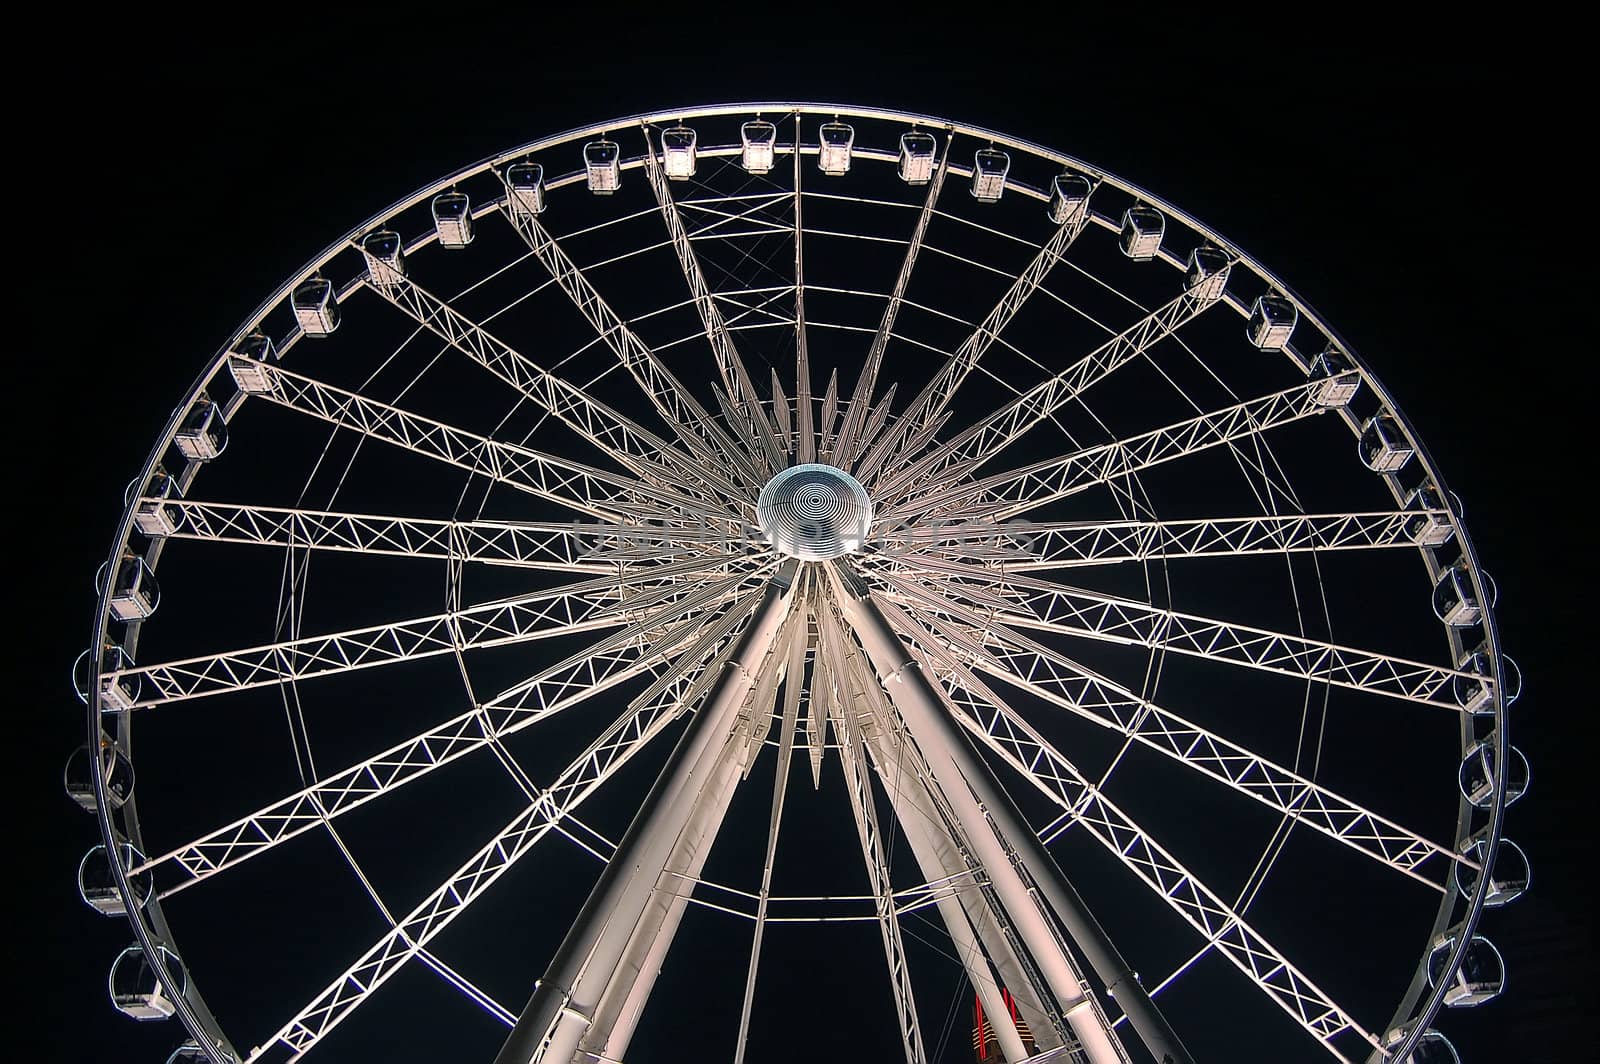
(814, 512)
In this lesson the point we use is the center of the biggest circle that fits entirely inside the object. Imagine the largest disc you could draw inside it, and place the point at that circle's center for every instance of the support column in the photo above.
(622, 1002)
(928, 843)
(978, 801)
(940, 856)
(563, 1004)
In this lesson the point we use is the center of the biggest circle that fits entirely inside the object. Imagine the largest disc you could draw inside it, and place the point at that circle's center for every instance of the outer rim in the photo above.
(149, 925)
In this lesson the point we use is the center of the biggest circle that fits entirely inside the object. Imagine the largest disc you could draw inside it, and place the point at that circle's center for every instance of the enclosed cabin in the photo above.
(248, 364)
(386, 257)
(1142, 229)
(203, 434)
(602, 164)
(1069, 196)
(759, 140)
(147, 988)
(316, 306)
(1431, 1048)
(989, 169)
(134, 593)
(190, 1053)
(1429, 525)
(1333, 379)
(1206, 277)
(834, 140)
(1475, 692)
(1508, 877)
(678, 152)
(1455, 598)
(151, 515)
(452, 219)
(524, 189)
(119, 688)
(113, 767)
(918, 157)
(1272, 319)
(97, 881)
(1481, 976)
(1479, 774)
(1384, 448)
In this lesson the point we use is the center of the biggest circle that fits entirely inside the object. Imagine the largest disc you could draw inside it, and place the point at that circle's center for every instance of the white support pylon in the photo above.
(1010, 853)
(563, 1005)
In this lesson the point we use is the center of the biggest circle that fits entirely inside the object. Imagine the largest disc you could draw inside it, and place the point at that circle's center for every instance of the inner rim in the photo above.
(814, 512)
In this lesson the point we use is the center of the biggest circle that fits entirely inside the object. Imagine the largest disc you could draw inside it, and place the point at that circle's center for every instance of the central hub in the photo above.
(814, 512)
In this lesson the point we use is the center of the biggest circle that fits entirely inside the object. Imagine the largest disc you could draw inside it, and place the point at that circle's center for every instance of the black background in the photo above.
(1413, 180)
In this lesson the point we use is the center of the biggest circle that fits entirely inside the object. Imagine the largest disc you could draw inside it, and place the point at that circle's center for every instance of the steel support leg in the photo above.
(938, 858)
(623, 1000)
(563, 1004)
(1006, 846)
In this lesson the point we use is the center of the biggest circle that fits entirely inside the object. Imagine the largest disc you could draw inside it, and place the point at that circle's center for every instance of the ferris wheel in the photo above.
(1107, 667)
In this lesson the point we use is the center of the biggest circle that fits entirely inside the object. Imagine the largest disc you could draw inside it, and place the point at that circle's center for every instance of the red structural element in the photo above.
(985, 1043)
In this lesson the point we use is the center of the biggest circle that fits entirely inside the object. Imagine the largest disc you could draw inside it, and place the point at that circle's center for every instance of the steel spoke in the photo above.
(677, 406)
(1049, 607)
(604, 602)
(856, 431)
(574, 547)
(1043, 545)
(933, 399)
(988, 436)
(579, 487)
(1197, 904)
(648, 715)
(730, 366)
(614, 660)
(1020, 490)
(1032, 667)
(618, 437)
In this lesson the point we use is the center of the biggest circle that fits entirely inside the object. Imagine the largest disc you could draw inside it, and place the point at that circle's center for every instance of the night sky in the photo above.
(1410, 181)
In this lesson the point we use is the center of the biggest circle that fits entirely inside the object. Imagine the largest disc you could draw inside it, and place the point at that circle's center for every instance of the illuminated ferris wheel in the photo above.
(1071, 600)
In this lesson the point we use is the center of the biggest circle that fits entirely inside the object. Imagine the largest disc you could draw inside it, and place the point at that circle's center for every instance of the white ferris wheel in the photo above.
(1064, 586)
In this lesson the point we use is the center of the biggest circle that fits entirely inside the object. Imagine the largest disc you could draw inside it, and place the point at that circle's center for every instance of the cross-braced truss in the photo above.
(763, 292)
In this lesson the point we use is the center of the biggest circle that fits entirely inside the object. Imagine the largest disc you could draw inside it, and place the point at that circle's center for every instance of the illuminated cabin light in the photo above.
(678, 152)
(760, 139)
(833, 151)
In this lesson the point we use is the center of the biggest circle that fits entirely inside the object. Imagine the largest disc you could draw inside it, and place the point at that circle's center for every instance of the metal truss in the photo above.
(856, 431)
(571, 547)
(805, 430)
(576, 486)
(639, 650)
(674, 692)
(1027, 602)
(853, 758)
(752, 420)
(852, 755)
(988, 436)
(1191, 899)
(1018, 491)
(582, 607)
(907, 650)
(1044, 545)
(933, 399)
(616, 436)
(1032, 667)
(675, 403)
